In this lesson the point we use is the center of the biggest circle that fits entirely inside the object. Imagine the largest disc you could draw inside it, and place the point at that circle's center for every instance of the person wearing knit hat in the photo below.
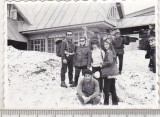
(88, 89)
(109, 72)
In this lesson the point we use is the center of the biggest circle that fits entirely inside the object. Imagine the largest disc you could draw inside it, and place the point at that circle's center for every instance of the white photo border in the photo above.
(3, 42)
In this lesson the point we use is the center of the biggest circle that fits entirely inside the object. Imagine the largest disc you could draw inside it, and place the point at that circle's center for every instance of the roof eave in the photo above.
(67, 27)
(134, 26)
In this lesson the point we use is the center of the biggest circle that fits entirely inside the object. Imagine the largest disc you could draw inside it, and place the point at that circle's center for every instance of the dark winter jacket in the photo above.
(118, 45)
(109, 67)
(82, 56)
(87, 89)
(66, 46)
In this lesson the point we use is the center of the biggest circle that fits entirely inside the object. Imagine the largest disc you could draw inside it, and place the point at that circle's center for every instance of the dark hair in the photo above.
(111, 47)
(83, 38)
(95, 42)
(87, 71)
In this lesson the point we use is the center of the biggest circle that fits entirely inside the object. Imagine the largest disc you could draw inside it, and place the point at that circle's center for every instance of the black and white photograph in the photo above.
(81, 54)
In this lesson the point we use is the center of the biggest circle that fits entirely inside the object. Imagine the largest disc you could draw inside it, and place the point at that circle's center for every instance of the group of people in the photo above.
(98, 64)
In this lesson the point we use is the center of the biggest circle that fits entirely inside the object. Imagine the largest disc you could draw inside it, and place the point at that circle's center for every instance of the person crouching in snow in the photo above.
(97, 56)
(109, 71)
(82, 59)
(88, 89)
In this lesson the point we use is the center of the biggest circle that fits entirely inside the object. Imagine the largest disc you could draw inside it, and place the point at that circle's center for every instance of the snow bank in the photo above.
(137, 84)
(34, 81)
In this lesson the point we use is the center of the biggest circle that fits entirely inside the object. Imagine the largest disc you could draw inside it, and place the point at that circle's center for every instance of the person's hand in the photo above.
(86, 99)
(71, 53)
(64, 61)
(89, 67)
(67, 53)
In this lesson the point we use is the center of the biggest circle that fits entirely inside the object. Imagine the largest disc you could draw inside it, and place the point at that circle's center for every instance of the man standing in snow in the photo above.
(88, 89)
(118, 44)
(82, 59)
(67, 53)
(151, 48)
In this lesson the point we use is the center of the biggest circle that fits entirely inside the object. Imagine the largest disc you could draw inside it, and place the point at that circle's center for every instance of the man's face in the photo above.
(69, 37)
(87, 77)
(117, 35)
(82, 41)
(152, 42)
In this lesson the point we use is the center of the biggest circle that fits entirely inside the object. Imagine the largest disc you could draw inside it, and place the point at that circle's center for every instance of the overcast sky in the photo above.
(135, 5)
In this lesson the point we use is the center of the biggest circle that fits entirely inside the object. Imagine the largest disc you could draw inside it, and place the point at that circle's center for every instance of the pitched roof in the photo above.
(25, 12)
(136, 21)
(12, 31)
(52, 15)
(143, 12)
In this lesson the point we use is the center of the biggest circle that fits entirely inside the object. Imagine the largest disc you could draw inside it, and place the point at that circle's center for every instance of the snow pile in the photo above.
(34, 81)
(137, 84)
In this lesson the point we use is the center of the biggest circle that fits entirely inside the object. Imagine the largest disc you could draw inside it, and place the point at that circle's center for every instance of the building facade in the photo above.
(37, 26)
(41, 25)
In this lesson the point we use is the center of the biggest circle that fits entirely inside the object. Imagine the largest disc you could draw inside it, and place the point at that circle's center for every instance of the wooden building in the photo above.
(39, 25)
(136, 21)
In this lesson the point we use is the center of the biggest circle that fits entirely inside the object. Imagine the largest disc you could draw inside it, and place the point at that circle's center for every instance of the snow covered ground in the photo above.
(34, 81)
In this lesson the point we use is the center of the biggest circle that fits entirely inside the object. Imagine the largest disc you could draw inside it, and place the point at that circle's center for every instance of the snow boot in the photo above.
(71, 82)
(63, 84)
(73, 85)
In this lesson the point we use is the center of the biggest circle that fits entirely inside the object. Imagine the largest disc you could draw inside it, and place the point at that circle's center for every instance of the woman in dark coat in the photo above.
(109, 71)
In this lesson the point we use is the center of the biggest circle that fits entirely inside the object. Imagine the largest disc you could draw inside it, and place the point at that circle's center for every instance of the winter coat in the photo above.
(82, 56)
(109, 67)
(118, 45)
(68, 47)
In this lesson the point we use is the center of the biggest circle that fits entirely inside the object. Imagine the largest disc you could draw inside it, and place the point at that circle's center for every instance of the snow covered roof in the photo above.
(52, 15)
(13, 33)
(136, 21)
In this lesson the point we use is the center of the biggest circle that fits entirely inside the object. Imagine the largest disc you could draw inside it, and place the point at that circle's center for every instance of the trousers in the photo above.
(77, 73)
(64, 67)
(100, 80)
(109, 87)
(120, 57)
(94, 101)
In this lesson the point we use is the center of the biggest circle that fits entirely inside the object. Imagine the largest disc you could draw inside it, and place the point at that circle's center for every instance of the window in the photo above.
(51, 45)
(77, 36)
(13, 13)
(37, 45)
(19, 18)
(112, 13)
